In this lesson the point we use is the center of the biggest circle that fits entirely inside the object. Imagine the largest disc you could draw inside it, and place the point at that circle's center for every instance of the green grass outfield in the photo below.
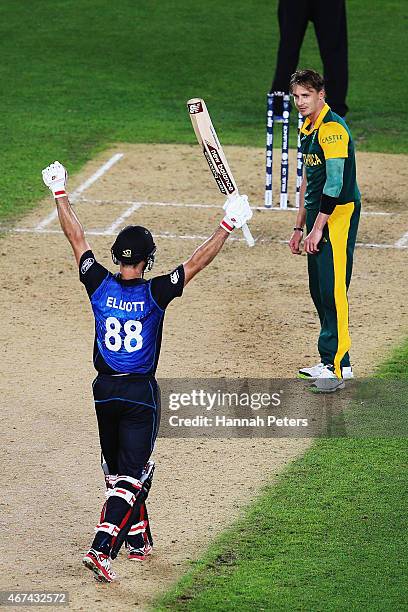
(79, 74)
(331, 535)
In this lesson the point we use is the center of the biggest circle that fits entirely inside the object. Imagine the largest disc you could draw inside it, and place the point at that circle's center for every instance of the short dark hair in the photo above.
(306, 78)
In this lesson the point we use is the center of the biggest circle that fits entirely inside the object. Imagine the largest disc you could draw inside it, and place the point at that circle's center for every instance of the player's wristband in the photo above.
(61, 193)
(226, 224)
(298, 229)
(328, 204)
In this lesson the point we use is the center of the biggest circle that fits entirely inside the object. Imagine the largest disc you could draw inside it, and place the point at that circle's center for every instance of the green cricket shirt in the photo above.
(329, 138)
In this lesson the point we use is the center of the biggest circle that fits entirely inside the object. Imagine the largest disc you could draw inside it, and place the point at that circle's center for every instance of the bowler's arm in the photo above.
(297, 235)
(301, 215)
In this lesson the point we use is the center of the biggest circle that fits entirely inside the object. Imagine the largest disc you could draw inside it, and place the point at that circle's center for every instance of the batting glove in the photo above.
(55, 178)
(238, 212)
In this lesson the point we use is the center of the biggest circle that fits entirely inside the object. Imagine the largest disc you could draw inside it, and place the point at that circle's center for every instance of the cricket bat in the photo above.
(214, 154)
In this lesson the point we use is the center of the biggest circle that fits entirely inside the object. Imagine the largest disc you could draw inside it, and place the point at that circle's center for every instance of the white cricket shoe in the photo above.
(140, 554)
(100, 565)
(314, 372)
(327, 381)
(347, 372)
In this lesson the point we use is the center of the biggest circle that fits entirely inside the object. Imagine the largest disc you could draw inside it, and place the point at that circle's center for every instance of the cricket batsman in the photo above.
(330, 205)
(129, 312)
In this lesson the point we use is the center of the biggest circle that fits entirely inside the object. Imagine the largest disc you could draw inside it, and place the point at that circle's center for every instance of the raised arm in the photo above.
(55, 178)
(237, 212)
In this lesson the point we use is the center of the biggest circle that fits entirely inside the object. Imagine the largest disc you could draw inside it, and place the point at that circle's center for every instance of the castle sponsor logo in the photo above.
(332, 138)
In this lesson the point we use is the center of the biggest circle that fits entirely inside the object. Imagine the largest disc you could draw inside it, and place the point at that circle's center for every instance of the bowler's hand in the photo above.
(294, 242)
(312, 240)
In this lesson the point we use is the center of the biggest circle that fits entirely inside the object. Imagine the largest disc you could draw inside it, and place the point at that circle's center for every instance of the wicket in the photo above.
(270, 119)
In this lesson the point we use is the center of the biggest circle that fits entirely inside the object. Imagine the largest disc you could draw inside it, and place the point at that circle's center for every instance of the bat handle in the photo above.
(247, 235)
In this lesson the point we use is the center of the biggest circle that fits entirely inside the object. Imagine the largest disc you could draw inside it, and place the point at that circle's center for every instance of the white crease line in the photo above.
(121, 219)
(108, 232)
(403, 241)
(28, 230)
(145, 203)
(218, 206)
(374, 245)
(75, 194)
(370, 213)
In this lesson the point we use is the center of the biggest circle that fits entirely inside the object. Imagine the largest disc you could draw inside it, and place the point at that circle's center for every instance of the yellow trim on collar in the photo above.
(304, 129)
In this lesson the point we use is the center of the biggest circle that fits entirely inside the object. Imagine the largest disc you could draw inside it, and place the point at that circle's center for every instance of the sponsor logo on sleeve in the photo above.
(332, 138)
(174, 277)
(87, 264)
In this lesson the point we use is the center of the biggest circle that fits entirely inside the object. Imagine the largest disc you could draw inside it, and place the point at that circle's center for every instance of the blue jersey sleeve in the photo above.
(91, 273)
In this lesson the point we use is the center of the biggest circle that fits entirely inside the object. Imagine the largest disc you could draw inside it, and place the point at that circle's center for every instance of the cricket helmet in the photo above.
(134, 244)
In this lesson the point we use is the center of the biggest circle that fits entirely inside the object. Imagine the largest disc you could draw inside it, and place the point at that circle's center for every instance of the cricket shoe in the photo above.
(327, 381)
(314, 372)
(139, 554)
(100, 565)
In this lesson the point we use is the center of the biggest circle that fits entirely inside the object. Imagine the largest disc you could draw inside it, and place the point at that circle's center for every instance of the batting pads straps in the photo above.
(138, 528)
(113, 479)
(125, 487)
(122, 487)
(133, 516)
(113, 530)
(128, 496)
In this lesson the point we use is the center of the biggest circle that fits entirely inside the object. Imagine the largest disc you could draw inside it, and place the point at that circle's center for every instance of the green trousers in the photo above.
(329, 278)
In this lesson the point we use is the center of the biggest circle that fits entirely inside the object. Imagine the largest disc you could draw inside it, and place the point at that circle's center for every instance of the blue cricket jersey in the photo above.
(128, 316)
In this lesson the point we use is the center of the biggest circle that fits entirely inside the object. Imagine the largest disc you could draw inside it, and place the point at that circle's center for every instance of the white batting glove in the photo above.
(55, 178)
(238, 212)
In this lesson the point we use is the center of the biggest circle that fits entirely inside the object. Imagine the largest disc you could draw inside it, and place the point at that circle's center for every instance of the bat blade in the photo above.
(214, 154)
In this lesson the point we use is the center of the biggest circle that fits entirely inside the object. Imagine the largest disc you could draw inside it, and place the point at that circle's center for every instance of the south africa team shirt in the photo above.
(128, 316)
(329, 138)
